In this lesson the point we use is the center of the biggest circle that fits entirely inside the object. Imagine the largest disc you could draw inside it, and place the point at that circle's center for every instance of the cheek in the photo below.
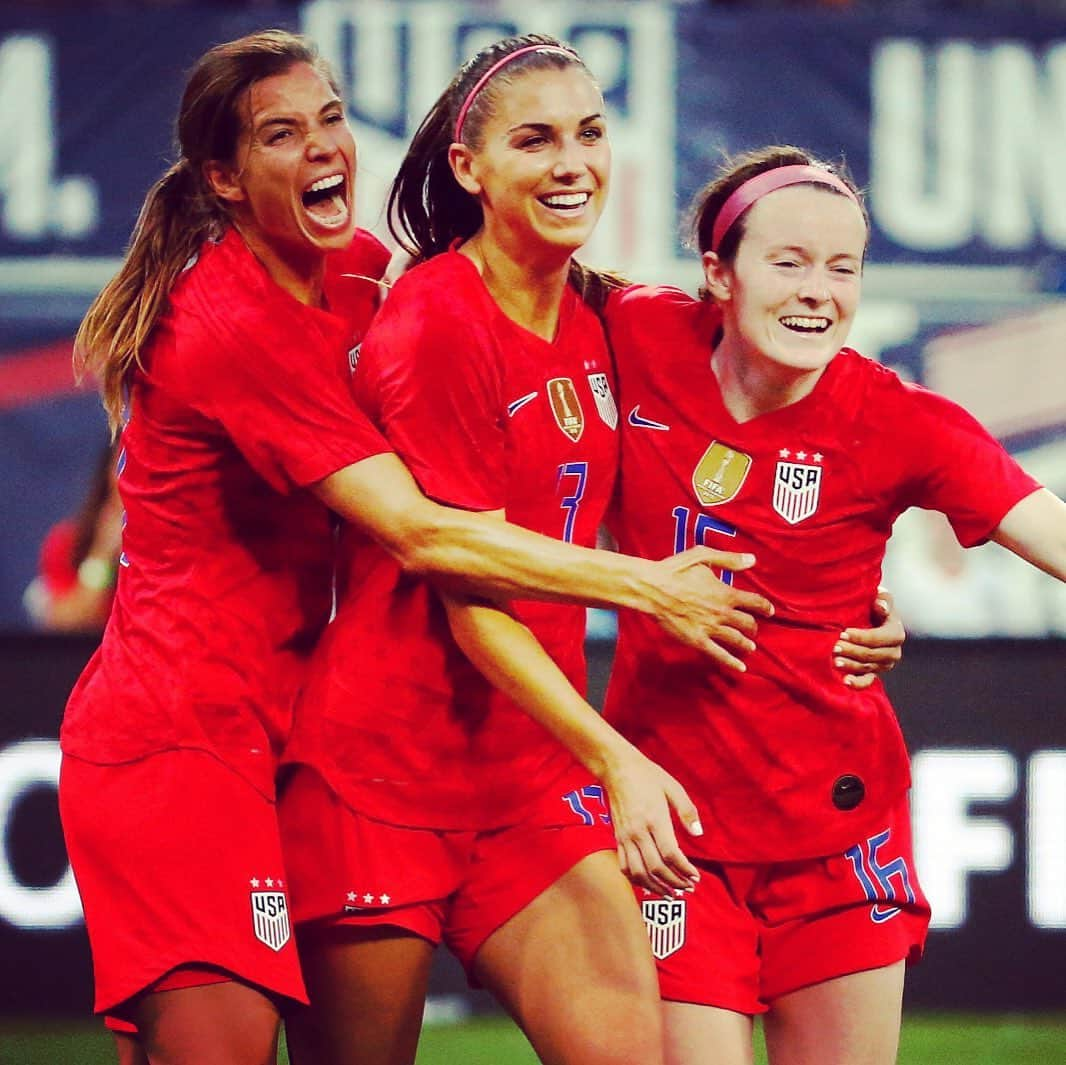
(602, 164)
(848, 301)
(347, 147)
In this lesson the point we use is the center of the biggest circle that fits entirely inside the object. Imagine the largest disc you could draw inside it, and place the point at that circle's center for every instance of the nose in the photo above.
(814, 286)
(570, 160)
(321, 143)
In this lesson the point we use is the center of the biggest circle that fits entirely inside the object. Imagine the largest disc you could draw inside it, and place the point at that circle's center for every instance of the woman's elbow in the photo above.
(424, 545)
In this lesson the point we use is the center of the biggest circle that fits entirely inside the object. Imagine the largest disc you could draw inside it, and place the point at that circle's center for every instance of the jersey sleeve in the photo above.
(280, 395)
(958, 467)
(429, 376)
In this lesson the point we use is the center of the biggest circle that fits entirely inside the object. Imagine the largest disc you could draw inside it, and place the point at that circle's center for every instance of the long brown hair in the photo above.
(180, 211)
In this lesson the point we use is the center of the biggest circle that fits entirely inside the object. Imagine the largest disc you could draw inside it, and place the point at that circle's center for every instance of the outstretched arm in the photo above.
(1035, 529)
(477, 553)
(641, 794)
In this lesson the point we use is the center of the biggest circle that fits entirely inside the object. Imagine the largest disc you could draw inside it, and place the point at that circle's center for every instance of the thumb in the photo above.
(730, 560)
(685, 809)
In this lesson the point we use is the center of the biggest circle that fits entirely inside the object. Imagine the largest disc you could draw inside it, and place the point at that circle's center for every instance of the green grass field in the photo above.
(928, 1039)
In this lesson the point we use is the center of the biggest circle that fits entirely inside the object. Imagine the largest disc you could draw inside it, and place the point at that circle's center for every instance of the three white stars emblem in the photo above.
(369, 899)
(801, 456)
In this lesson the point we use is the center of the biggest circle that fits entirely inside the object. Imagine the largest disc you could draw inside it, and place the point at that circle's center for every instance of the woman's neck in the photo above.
(530, 293)
(755, 385)
(301, 274)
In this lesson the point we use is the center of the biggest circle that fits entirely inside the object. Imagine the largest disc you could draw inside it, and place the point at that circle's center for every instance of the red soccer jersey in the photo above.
(487, 416)
(783, 761)
(225, 581)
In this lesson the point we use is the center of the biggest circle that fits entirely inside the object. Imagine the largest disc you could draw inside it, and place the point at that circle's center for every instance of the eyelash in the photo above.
(591, 133)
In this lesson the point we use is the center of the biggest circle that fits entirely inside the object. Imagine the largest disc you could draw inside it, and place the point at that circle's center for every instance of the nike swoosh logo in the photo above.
(883, 913)
(518, 404)
(645, 423)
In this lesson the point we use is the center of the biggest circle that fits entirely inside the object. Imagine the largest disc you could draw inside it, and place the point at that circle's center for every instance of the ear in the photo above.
(224, 181)
(718, 275)
(464, 167)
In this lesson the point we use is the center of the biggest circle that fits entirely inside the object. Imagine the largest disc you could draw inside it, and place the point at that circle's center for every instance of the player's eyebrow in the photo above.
(547, 127)
(289, 120)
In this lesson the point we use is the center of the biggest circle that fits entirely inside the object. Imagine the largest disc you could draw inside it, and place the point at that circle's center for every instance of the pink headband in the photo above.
(471, 96)
(745, 195)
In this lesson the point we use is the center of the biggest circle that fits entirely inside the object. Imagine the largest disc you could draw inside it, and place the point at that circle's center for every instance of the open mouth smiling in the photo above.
(326, 200)
(566, 202)
(807, 326)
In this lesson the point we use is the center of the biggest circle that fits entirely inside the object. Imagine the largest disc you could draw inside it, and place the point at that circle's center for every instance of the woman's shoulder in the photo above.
(442, 294)
(653, 305)
(366, 256)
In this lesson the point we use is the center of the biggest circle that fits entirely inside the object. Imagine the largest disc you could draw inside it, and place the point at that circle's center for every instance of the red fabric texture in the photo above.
(225, 580)
(756, 932)
(166, 881)
(457, 887)
(762, 752)
(487, 416)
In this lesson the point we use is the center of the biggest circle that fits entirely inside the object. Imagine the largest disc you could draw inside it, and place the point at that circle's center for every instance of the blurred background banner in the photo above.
(955, 123)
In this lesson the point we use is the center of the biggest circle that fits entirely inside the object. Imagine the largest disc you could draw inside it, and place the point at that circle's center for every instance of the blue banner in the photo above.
(956, 125)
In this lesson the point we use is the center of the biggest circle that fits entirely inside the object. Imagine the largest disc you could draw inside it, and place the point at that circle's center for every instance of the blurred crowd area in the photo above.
(1036, 7)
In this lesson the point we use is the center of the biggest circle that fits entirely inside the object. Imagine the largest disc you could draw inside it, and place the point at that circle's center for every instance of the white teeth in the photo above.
(326, 183)
(796, 322)
(567, 199)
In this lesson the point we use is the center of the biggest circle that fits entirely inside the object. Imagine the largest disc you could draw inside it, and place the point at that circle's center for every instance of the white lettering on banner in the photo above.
(968, 141)
(394, 60)
(950, 843)
(36, 206)
(1046, 839)
(25, 766)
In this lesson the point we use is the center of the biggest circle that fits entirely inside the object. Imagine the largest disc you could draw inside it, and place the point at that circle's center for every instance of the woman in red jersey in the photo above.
(425, 806)
(225, 336)
(748, 423)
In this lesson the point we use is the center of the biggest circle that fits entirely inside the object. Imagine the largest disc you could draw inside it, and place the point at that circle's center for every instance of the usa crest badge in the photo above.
(665, 921)
(604, 397)
(719, 475)
(566, 407)
(797, 487)
(270, 918)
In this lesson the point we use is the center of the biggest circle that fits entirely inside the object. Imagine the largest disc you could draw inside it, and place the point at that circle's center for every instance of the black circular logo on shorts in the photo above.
(848, 792)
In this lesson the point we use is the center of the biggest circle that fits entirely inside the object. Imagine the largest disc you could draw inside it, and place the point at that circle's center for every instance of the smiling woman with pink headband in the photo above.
(425, 806)
(749, 423)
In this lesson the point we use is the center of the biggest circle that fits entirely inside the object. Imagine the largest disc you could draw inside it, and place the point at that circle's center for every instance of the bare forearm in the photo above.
(1035, 529)
(507, 654)
(478, 553)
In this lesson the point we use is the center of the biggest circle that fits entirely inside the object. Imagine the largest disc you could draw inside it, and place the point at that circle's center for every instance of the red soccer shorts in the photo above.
(178, 862)
(751, 933)
(452, 886)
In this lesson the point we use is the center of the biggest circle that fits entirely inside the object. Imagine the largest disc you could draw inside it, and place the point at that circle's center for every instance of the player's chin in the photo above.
(328, 238)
